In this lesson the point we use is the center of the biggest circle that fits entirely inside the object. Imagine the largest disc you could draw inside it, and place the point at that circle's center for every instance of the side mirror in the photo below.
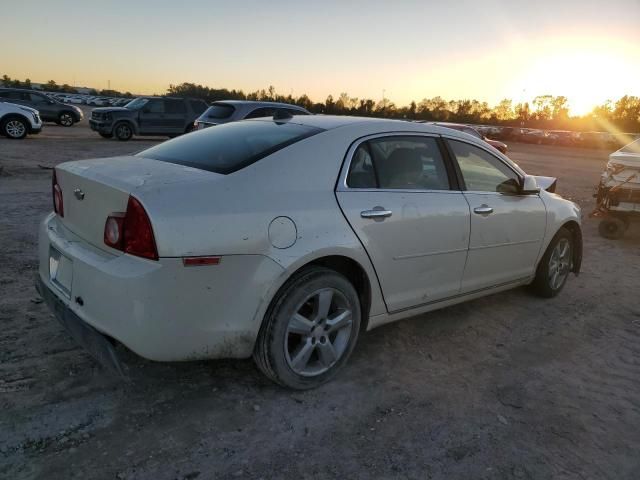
(529, 186)
(510, 186)
(146, 110)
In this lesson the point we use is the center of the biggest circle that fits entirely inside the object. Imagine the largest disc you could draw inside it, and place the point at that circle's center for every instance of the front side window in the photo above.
(136, 104)
(231, 146)
(399, 163)
(35, 98)
(481, 171)
(154, 106)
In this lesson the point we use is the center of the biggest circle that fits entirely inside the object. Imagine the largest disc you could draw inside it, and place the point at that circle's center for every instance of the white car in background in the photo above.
(17, 121)
(285, 238)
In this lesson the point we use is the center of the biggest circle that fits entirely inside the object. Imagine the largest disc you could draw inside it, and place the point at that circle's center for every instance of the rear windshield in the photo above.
(220, 111)
(229, 147)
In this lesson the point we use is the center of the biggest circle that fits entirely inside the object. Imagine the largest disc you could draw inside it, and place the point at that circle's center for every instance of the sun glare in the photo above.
(587, 75)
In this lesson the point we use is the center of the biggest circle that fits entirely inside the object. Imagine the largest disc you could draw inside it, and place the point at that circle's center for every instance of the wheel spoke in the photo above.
(300, 325)
(324, 303)
(301, 356)
(327, 353)
(339, 322)
(554, 279)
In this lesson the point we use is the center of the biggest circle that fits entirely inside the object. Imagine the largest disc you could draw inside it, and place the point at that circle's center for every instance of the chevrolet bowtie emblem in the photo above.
(79, 194)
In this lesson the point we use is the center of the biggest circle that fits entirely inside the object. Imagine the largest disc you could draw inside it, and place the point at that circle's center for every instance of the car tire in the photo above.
(123, 131)
(106, 135)
(612, 228)
(555, 265)
(14, 127)
(66, 119)
(310, 329)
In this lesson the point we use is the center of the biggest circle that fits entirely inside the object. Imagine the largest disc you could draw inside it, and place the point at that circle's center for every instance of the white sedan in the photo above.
(285, 238)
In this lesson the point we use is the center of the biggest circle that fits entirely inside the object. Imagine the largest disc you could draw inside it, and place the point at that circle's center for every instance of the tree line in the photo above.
(544, 111)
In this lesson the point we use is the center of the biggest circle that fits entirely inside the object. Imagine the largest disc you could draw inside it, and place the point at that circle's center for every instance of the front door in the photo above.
(152, 117)
(397, 197)
(507, 229)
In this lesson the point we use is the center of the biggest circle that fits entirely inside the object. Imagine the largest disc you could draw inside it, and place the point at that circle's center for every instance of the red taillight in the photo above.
(131, 232)
(56, 191)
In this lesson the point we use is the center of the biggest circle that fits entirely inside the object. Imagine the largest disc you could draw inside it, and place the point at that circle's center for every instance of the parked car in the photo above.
(50, 110)
(16, 121)
(560, 137)
(285, 238)
(226, 111)
(501, 147)
(165, 116)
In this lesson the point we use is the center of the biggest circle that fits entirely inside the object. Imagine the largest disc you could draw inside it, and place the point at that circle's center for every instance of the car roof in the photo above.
(259, 103)
(376, 125)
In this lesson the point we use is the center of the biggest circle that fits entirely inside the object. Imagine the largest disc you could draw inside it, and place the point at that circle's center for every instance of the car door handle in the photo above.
(376, 212)
(483, 210)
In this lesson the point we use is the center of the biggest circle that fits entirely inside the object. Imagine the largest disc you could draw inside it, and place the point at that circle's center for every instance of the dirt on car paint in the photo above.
(508, 386)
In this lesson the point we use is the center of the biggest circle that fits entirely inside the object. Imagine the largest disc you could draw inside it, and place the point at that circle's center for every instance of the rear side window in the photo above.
(198, 106)
(399, 163)
(262, 112)
(220, 111)
(174, 106)
(11, 95)
(229, 147)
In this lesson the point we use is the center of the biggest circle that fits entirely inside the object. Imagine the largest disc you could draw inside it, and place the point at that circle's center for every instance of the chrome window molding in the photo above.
(344, 172)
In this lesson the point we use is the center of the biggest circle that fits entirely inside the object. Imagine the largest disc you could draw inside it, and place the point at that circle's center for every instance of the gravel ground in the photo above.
(508, 386)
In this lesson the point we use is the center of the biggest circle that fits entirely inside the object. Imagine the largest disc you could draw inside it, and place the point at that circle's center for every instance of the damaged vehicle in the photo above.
(618, 193)
(286, 238)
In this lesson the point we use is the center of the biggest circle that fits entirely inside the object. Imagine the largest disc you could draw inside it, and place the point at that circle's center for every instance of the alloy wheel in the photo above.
(318, 333)
(66, 120)
(123, 131)
(559, 264)
(15, 128)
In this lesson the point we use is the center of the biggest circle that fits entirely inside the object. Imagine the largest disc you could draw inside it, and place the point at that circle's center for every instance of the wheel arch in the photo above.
(8, 116)
(74, 115)
(131, 123)
(576, 234)
(345, 265)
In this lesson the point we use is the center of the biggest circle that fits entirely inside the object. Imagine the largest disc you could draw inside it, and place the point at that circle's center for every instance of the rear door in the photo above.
(398, 193)
(507, 229)
(175, 116)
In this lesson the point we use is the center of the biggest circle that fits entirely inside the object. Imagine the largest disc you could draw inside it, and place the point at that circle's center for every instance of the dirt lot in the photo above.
(509, 386)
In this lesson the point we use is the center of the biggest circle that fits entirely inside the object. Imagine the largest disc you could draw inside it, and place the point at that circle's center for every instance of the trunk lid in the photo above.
(94, 189)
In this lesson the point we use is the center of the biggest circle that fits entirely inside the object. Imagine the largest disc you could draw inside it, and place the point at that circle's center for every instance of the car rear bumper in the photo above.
(160, 310)
(96, 344)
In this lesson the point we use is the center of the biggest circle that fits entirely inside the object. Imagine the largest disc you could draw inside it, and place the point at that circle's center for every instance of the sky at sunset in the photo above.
(488, 50)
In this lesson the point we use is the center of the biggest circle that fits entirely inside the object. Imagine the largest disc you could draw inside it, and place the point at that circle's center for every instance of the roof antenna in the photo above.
(281, 114)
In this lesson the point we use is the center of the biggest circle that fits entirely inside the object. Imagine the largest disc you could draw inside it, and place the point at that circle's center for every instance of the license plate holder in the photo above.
(60, 271)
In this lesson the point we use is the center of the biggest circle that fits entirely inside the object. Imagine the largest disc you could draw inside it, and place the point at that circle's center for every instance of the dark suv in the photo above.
(166, 116)
(50, 110)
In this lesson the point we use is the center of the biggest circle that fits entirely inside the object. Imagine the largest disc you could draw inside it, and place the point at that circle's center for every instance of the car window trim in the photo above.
(459, 175)
(341, 184)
